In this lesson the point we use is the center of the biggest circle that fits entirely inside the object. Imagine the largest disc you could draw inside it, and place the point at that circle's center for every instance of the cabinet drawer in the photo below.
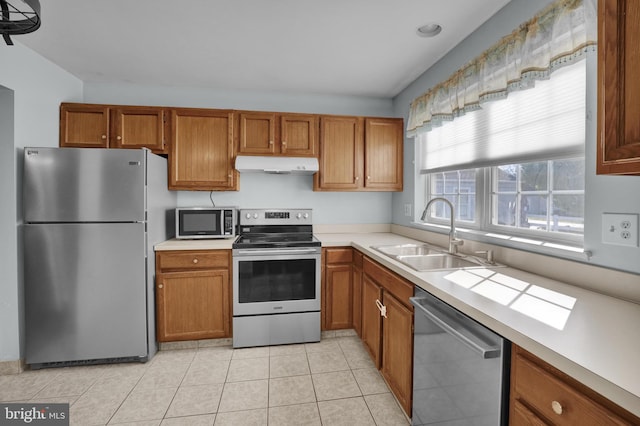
(339, 255)
(555, 399)
(394, 284)
(193, 259)
(522, 416)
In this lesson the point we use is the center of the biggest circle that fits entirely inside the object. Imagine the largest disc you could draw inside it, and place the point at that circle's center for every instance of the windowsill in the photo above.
(560, 250)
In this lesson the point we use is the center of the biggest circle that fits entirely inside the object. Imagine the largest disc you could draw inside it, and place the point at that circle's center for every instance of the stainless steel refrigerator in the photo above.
(91, 219)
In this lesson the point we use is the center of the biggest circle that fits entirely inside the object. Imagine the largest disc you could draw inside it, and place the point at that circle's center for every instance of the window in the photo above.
(503, 137)
(541, 200)
(527, 151)
(459, 187)
(545, 196)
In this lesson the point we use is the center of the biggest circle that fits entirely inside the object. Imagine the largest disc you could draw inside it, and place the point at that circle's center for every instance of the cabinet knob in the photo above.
(357, 178)
(368, 177)
(160, 286)
(104, 136)
(195, 260)
(556, 407)
(284, 143)
(270, 142)
(119, 137)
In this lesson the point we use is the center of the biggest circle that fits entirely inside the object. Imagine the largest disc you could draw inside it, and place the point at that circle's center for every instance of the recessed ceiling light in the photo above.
(429, 30)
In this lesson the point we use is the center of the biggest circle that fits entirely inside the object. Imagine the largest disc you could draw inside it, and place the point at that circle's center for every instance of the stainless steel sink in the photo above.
(408, 249)
(431, 262)
(425, 257)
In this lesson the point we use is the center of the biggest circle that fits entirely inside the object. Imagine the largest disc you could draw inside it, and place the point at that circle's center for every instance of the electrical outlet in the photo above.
(620, 229)
(407, 209)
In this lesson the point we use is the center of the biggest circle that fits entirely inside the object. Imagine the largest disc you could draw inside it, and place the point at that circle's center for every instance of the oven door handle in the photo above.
(277, 251)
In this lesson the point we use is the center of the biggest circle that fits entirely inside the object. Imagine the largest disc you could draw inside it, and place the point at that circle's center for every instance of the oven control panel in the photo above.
(275, 217)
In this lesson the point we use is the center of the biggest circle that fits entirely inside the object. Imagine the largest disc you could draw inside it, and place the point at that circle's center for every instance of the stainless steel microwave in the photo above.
(205, 222)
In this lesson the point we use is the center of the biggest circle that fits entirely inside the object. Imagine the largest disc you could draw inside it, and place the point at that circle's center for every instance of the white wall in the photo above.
(261, 190)
(617, 194)
(31, 89)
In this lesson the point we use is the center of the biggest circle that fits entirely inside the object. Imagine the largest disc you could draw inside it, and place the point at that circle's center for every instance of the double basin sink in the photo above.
(425, 257)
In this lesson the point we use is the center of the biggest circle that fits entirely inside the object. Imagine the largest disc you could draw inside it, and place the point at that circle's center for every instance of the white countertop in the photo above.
(599, 344)
(175, 244)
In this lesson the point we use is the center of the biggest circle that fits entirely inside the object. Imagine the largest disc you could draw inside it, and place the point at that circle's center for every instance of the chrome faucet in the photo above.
(453, 241)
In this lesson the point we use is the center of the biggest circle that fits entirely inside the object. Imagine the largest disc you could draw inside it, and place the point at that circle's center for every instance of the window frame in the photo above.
(484, 211)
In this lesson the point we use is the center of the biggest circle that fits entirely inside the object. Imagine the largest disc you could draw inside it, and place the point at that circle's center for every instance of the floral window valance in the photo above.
(559, 35)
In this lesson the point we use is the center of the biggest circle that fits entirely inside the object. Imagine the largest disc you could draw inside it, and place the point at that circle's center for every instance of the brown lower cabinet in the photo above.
(357, 292)
(354, 289)
(193, 295)
(543, 395)
(338, 288)
(387, 328)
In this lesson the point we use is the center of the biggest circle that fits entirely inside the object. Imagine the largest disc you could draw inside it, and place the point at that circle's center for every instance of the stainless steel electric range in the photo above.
(276, 278)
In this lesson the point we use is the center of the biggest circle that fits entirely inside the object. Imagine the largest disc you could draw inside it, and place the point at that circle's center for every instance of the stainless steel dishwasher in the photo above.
(460, 368)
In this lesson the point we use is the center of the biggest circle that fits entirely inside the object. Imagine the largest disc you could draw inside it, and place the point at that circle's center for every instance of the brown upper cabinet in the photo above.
(341, 153)
(360, 154)
(354, 153)
(618, 87)
(108, 126)
(383, 152)
(202, 155)
(270, 133)
(84, 126)
(140, 127)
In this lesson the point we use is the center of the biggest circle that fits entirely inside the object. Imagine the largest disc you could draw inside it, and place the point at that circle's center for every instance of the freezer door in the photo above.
(84, 185)
(85, 292)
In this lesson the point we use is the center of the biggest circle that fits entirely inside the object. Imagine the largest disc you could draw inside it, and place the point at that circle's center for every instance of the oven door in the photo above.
(276, 281)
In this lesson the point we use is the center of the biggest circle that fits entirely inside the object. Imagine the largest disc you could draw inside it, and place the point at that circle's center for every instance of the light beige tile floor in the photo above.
(332, 382)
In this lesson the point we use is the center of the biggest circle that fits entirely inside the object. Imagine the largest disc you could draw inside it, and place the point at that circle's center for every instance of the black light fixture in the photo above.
(18, 17)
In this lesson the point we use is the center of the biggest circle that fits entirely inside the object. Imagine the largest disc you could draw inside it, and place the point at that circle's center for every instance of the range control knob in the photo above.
(248, 215)
(306, 215)
(255, 215)
(299, 216)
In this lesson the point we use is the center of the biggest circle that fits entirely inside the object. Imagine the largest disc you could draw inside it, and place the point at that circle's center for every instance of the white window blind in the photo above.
(544, 122)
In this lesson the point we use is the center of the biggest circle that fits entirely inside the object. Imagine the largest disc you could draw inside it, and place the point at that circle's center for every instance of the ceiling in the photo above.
(343, 47)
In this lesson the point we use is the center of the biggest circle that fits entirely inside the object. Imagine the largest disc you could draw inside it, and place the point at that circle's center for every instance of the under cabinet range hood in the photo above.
(276, 165)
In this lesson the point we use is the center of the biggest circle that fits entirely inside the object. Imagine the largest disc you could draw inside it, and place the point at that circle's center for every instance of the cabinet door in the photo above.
(84, 125)
(338, 296)
(192, 305)
(397, 350)
(383, 154)
(356, 317)
(202, 154)
(371, 319)
(257, 133)
(299, 135)
(341, 154)
(618, 87)
(139, 127)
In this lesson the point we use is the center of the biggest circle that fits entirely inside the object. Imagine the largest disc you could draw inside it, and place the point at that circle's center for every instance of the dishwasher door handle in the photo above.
(476, 344)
